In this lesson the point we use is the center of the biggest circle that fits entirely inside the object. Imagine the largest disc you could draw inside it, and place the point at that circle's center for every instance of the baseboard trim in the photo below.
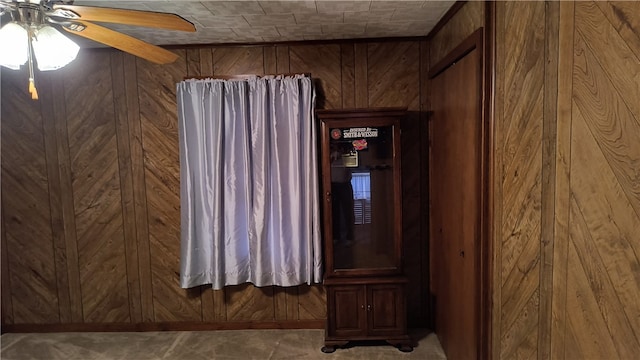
(163, 326)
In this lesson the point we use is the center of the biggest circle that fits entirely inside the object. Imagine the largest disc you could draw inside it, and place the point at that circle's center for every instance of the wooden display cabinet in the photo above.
(360, 160)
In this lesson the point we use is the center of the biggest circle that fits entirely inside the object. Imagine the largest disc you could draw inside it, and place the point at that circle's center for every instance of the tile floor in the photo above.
(225, 345)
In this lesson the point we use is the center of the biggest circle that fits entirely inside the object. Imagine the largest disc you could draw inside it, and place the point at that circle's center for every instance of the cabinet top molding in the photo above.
(366, 112)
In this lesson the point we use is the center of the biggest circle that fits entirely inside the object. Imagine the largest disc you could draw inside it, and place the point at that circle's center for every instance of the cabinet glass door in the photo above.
(362, 196)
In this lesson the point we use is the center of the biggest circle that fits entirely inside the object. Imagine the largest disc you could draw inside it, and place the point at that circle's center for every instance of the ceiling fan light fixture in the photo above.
(15, 45)
(52, 49)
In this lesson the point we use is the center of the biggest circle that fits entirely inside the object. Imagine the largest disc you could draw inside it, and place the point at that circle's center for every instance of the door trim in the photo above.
(488, 172)
(474, 41)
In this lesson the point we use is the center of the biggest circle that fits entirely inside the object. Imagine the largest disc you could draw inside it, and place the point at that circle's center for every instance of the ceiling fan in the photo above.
(31, 33)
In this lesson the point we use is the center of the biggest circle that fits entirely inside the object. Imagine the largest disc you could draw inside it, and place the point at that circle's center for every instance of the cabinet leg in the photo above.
(401, 345)
(328, 349)
(331, 346)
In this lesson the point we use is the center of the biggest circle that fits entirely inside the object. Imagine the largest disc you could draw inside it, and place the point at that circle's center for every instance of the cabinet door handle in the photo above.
(362, 307)
(368, 307)
(328, 196)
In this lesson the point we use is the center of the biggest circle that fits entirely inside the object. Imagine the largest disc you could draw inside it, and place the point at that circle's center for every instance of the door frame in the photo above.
(482, 41)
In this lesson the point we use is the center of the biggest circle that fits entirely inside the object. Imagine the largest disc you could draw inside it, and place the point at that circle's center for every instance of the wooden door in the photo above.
(455, 171)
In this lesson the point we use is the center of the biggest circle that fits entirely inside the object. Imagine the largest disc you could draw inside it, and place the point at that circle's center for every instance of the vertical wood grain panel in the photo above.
(48, 100)
(521, 173)
(623, 16)
(584, 322)
(238, 61)
(126, 185)
(601, 315)
(312, 304)
(323, 62)
(283, 59)
(611, 120)
(621, 66)
(360, 76)
(605, 213)
(206, 62)
(563, 175)
(66, 201)
(347, 59)
(247, 302)
(392, 75)
(193, 62)
(292, 301)
(602, 289)
(159, 123)
(7, 305)
(279, 303)
(270, 60)
(139, 188)
(25, 206)
(616, 59)
(425, 95)
(548, 195)
(467, 20)
(96, 194)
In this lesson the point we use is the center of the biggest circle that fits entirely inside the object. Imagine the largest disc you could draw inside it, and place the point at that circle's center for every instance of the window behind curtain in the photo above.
(248, 182)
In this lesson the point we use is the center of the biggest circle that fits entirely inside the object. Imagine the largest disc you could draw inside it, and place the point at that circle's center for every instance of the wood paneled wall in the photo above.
(520, 113)
(566, 204)
(469, 18)
(597, 256)
(90, 185)
(566, 194)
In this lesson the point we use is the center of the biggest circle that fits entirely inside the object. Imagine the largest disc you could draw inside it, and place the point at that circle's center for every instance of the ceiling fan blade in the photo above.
(120, 41)
(122, 16)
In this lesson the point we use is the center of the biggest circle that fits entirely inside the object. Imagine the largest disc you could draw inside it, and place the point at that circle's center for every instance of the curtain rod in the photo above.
(240, 77)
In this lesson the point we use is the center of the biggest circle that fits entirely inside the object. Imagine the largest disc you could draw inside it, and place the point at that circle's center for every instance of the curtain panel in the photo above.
(249, 192)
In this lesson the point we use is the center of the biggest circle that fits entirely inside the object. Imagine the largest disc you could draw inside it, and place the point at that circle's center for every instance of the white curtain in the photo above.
(361, 184)
(248, 182)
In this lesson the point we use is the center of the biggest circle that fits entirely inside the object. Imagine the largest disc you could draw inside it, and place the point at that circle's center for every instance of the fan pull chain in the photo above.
(32, 82)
